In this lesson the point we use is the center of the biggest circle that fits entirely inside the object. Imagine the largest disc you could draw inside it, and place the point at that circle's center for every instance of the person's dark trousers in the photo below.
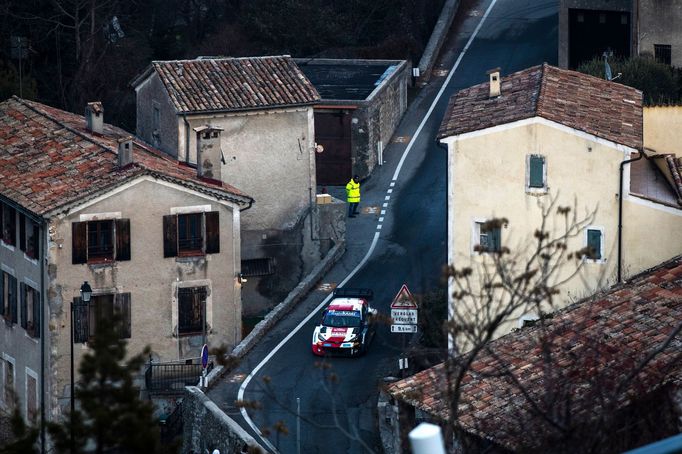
(352, 209)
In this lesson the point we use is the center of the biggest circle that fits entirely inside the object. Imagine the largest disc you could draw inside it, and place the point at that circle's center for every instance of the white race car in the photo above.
(347, 325)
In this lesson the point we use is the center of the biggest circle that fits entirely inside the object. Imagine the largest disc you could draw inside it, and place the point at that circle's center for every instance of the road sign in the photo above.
(403, 328)
(204, 356)
(404, 299)
(404, 316)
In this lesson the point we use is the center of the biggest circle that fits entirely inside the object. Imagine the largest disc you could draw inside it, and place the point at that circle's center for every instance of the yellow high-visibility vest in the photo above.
(353, 191)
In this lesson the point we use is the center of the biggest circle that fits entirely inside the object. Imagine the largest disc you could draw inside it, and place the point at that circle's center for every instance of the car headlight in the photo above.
(320, 337)
(353, 338)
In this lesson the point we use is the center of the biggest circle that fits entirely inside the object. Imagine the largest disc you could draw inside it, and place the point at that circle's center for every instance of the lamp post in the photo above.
(86, 294)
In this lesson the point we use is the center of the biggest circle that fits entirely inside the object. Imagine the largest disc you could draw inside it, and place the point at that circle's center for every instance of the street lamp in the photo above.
(86, 294)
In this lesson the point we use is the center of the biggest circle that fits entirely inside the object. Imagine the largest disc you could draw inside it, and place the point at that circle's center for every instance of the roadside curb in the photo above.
(440, 32)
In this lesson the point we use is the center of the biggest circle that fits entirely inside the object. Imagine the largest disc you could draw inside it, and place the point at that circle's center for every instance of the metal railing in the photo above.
(171, 378)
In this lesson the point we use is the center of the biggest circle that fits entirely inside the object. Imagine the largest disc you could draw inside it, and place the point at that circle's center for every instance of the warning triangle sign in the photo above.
(404, 299)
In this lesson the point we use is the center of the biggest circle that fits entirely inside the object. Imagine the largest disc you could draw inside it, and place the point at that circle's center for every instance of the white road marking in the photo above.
(392, 184)
(383, 212)
(242, 388)
(388, 197)
(389, 191)
(381, 219)
(442, 89)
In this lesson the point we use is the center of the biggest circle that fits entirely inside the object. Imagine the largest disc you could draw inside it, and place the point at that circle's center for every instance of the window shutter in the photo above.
(37, 315)
(122, 313)
(212, 232)
(122, 239)
(13, 299)
(170, 236)
(36, 240)
(79, 242)
(80, 321)
(594, 243)
(22, 232)
(536, 172)
(22, 305)
(495, 240)
(3, 303)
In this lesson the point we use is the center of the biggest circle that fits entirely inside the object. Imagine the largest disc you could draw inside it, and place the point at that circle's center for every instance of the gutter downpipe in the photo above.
(620, 211)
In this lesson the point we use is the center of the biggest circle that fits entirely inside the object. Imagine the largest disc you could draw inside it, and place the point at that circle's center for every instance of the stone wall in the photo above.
(206, 427)
(440, 32)
(660, 23)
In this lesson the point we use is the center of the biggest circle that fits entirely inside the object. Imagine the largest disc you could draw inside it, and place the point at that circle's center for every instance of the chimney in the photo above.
(494, 82)
(209, 153)
(94, 117)
(125, 151)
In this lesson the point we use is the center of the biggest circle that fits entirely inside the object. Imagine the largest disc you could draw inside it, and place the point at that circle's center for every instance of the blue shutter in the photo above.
(594, 244)
(536, 179)
(495, 239)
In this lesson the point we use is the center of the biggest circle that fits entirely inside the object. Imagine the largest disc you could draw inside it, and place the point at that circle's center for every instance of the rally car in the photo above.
(346, 327)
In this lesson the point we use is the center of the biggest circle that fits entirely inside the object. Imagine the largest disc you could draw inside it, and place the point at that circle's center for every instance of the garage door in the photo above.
(332, 131)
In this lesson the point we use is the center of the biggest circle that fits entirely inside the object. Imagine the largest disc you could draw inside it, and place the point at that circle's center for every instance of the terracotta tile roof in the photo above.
(49, 161)
(605, 109)
(233, 84)
(598, 340)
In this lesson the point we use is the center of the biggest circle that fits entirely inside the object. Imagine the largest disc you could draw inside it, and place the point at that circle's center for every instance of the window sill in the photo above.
(101, 263)
(537, 191)
(33, 260)
(595, 261)
(9, 246)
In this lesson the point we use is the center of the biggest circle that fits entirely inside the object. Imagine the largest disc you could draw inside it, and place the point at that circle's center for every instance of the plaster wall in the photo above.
(268, 155)
(16, 345)
(652, 233)
(660, 23)
(661, 126)
(151, 279)
(150, 94)
(487, 178)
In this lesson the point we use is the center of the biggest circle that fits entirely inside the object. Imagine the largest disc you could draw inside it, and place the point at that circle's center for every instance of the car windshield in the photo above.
(342, 319)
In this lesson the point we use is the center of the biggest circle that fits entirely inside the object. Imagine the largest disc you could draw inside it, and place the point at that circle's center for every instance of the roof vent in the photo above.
(494, 82)
(94, 117)
(125, 151)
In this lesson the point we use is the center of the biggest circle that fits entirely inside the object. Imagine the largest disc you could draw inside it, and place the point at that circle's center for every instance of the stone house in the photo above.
(547, 134)
(608, 378)
(259, 111)
(362, 103)
(82, 201)
(587, 28)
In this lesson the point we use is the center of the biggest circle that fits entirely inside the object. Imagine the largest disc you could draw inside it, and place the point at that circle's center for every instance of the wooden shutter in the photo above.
(536, 171)
(122, 239)
(123, 314)
(3, 303)
(170, 236)
(37, 240)
(212, 232)
(13, 299)
(37, 313)
(594, 243)
(22, 305)
(79, 241)
(495, 240)
(80, 321)
(22, 232)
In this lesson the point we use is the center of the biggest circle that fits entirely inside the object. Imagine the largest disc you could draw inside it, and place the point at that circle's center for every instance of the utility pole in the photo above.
(19, 51)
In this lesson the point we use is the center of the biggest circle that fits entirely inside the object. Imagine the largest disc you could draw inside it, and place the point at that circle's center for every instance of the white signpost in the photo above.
(404, 312)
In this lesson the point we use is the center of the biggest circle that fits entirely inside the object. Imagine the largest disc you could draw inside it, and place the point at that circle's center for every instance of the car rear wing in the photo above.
(364, 293)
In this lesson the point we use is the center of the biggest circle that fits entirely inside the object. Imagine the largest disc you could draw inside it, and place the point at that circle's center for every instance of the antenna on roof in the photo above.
(608, 75)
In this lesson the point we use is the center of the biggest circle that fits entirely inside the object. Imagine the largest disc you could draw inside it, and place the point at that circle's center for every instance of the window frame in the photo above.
(6, 359)
(118, 239)
(536, 189)
(31, 416)
(85, 316)
(29, 237)
(600, 229)
(663, 53)
(209, 228)
(8, 217)
(476, 238)
(25, 289)
(102, 239)
(9, 294)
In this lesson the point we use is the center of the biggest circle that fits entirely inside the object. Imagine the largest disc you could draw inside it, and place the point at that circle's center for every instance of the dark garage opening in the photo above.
(332, 130)
(591, 32)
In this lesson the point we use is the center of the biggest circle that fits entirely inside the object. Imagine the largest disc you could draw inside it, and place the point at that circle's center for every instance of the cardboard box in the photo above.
(323, 199)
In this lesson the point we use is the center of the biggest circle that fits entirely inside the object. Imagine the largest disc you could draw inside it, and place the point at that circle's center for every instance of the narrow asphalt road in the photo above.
(406, 244)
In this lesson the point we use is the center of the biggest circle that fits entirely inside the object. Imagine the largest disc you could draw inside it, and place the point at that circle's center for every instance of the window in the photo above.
(101, 309)
(101, 241)
(31, 396)
(191, 234)
(663, 53)
(487, 237)
(594, 238)
(191, 310)
(7, 378)
(29, 237)
(156, 122)
(258, 267)
(8, 228)
(8, 294)
(30, 309)
(536, 173)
